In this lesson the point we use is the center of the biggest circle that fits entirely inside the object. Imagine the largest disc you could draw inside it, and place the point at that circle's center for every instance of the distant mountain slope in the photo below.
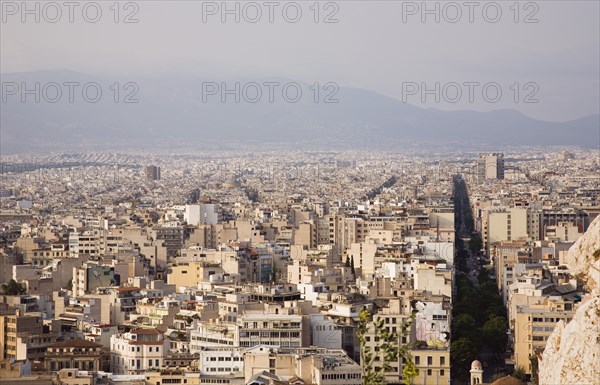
(174, 110)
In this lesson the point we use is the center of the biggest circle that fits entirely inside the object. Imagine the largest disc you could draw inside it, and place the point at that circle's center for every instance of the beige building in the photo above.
(433, 365)
(513, 224)
(562, 232)
(43, 256)
(10, 369)
(192, 274)
(21, 336)
(305, 235)
(343, 231)
(490, 166)
(363, 254)
(533, 326)
(434, 279)
(393, 315)
(173, 376)
(74, 354)
(505, 255)
(74, 377)
(316, 366)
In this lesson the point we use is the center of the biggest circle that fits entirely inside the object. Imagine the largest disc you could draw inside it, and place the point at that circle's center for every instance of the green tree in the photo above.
(534, 369)
(475, 244)
(462, 353)
(13, 288)
(483, 276)
(352, 266)
(347, 261)
(375, 363)
(494, 332)
(519, 373)
(464, 326)
(489, 303)
(274, 273)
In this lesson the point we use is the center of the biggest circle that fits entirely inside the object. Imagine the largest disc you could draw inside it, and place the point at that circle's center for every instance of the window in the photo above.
(429, 360)
(442, 361)
(429, 372)
(417, 360)
(442, 372)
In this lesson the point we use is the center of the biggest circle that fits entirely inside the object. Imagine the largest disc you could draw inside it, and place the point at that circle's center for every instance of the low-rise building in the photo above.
(73, 354)
(137, 351)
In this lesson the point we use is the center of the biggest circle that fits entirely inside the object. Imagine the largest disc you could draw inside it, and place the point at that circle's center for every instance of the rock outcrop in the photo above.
(572, 353)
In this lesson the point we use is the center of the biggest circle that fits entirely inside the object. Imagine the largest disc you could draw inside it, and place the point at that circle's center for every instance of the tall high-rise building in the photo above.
(152, 173)
(490, 166)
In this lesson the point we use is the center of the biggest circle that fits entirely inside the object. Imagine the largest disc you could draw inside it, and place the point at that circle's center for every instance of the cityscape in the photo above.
(121, 271)
(299, 193)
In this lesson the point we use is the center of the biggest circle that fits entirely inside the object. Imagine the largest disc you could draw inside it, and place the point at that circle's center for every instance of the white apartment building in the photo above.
(278, 330)
(214, 335)
(137, 351)
(324, 332)
(85, 242)
(222, 361)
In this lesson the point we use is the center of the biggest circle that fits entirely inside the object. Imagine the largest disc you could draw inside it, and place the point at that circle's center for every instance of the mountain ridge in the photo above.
(170, 109)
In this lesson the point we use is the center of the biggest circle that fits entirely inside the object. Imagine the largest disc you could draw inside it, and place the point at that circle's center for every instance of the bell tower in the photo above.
(476, 373)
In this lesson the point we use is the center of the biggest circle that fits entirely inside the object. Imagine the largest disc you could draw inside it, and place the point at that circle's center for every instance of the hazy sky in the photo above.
(377, 45)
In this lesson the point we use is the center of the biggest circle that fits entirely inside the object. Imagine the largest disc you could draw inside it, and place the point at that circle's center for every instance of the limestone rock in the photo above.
(583, 258)
(572, 353)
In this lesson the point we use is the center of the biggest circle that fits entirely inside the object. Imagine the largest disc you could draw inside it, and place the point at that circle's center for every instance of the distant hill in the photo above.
(173, 110)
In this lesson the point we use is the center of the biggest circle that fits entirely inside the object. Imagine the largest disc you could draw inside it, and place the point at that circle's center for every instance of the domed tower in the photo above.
(476, 373)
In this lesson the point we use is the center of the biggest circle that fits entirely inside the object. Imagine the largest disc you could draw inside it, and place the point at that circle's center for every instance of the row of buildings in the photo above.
(248, 275)
(527, 225)
(256, 268)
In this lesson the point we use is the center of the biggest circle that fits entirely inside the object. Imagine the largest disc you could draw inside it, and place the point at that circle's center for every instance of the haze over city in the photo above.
(540, 59)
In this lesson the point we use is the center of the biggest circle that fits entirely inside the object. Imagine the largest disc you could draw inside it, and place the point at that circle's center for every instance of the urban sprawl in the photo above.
(296, 268)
